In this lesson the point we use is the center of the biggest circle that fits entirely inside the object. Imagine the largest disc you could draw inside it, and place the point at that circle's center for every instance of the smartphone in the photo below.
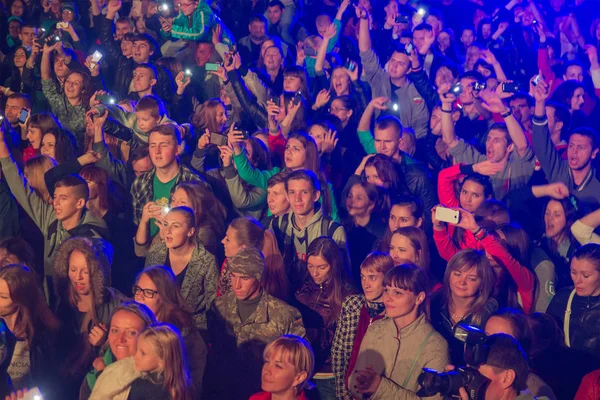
(401, 19)
(62, 25)
(33, 394)
(186, 75)
(275, 99)
(41, 34)
(510, 87)
(456, 89)
(421, 11)
(409, 48)
(297, 98)
(395, 107)
(23, 116)
(1, 117)
(218, 139)
(310, 52)
(56, 38)
(350, 65)
(448, 215)
(534, 22)
(479, 86)
(536, 79)
(106, 99)
(96, 57)
(163, 7)
(212, 66)
(245, 134)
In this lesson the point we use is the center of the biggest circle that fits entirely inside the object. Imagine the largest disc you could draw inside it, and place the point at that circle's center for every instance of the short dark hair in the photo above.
(144, 37)
(258, 18)
(589, 252)
(153, 104)
(149, 67)
(139, 153)
(304, 175)
(123, 20)
(389, 121)
(167, 130)
(523, 96)
(78, 185)
(505, 353)
(276, 3)
(501, 126)
(21, 96)
(280, 177)
(572, 63)
(587, 132)
(423, 27)
(562, 114)
(129, 37)
(473, 75)
(408, 277)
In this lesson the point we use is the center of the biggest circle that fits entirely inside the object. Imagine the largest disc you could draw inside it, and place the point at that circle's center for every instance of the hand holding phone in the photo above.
(218, 139)
(212, 66)
(447, 215)
(24, 116)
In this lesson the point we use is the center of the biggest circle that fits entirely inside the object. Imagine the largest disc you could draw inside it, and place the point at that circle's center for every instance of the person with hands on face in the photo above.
(403, 339)
(506, 143)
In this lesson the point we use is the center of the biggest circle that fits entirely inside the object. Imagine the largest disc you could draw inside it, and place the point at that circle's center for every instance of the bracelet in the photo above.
(477, 231)
(446, 111)
(507, 114)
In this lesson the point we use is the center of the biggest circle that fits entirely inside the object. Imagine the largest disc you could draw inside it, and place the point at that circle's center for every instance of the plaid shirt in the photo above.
(142, 189)
(343, 342)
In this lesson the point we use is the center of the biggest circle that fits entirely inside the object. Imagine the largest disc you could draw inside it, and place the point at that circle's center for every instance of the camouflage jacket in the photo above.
(240, 344)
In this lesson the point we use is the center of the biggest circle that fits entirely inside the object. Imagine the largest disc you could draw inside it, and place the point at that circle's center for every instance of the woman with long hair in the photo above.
(194, 267)
(322, 293)
(14, 83)
(558, 241)
(209, 218)
(126, 323)
(156, 288)
(36, 127)
(35, 168)
(571, 94)
(409, 244)
(239, 197)
(465, 298)
(378, 368)
(300, 153)
(247, 232)
(288, 366)
(59, 144)
(28, 317)
(210, 115)
(85, 302)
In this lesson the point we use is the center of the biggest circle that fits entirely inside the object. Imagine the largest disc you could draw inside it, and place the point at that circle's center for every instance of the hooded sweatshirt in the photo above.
(44, 217)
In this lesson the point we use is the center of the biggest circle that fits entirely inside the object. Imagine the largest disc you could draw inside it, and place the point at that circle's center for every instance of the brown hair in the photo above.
(171, 130)
(44, 122)
(249, 232)
(279, 177)
(463, 261)
(174, 310)
(208, 210)
(408, 277)
(153, 104)
(66, 145)
(204, 116)
(378, 262)
(33, 316)
(34, 170)
(107, 195)
(419, 242)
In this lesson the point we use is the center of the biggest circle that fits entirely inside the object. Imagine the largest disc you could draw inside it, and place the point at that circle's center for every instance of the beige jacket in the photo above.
(393, 357)
(114, 383)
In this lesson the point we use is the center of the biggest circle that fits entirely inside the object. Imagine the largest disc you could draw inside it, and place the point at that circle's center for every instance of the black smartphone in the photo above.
(106, 99)
(245, 134)
(350, 65)
(23, 116)
(510, 87)
(41, 35)
(297, 98)
(401, 19)
(275, 99)
(409, 48)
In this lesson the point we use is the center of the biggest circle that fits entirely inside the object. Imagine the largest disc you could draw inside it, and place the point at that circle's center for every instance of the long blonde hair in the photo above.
(168, 345)
(298, 352)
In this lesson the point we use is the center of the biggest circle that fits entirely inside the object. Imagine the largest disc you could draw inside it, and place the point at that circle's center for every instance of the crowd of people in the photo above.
(299, 199)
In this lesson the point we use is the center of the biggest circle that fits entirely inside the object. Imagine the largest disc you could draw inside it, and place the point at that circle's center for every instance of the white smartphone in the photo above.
(448, 215)
(97, 56)
(33, 394)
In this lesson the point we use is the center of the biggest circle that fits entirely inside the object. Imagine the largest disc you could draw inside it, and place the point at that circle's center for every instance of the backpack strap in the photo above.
(414, 364)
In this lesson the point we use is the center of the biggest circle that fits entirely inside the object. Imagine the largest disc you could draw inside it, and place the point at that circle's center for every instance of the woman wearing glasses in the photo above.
(195, 269)
(156, 288)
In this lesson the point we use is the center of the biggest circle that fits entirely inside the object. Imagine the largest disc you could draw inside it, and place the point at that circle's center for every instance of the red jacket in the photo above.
(267, 396)
(590, 387)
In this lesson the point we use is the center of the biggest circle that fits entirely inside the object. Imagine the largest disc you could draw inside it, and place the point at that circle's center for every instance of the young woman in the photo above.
(156, 287)
(35, 168)
(195, 268)
(288, 366)
(211, 116)
(378, 370)
(209, 216)
(322, 294)
(14, 83)
(246, 232)
(60, 145)
(405, 211)
(85, 302)
(577, 310)
(465, 297)
(357, 314)
(558, 241)
(27, 316)
(571, 94)
(409, 244)
(365, 224)
(473, 191)
(37, 126)
(237, 195)
(14, 250)
(157, 371)
(126, 323)
(300, 153)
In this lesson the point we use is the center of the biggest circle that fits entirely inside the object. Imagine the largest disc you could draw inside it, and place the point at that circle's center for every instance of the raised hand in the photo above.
(114, 6)
(353, 75)
(166, 24)
(182, 82)
(488, 57)
(204, 140)
(379, 103)
(492, 101)
(592, 53)
(91, 157)
(330, 32)
(556, 190)
(466, 220)
(329, 142)
(541, 91)
(445, 96)
(322, 99)
(217, 31)
(97, 334)
(488, 167)
(93, 67)
(226, 154)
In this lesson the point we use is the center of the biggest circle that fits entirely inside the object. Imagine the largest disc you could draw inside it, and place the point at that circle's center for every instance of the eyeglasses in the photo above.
(337, 110)
(148, 293)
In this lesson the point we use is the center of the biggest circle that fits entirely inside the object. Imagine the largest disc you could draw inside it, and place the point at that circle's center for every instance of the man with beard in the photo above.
(512, 159)
(249, 46)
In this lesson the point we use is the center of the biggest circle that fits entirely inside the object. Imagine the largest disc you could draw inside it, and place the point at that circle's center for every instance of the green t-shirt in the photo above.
(162, 194)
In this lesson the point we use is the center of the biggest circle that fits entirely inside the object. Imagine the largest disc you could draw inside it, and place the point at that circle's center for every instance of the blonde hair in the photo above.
(34, 169)
(167, 344)
(378, 262)
(298, 352)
